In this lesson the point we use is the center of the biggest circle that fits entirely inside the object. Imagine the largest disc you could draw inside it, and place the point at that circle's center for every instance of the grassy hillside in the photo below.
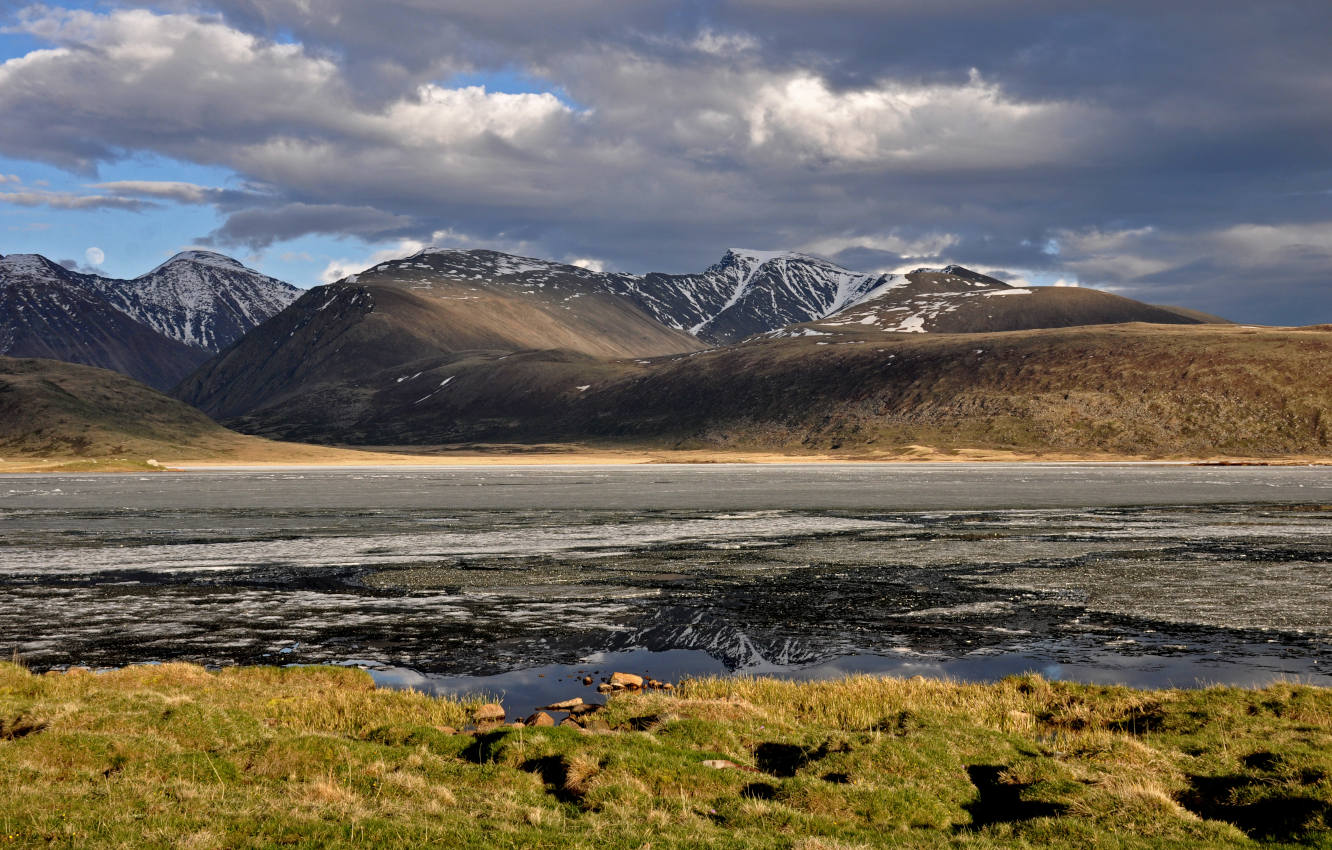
(56, 415)
(174, 756)
(49, 407)
(1142, 390)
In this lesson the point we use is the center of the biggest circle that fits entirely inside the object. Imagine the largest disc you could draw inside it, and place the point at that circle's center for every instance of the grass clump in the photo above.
(176, 756)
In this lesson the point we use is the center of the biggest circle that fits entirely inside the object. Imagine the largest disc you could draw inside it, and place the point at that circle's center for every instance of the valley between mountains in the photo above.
(763, 352)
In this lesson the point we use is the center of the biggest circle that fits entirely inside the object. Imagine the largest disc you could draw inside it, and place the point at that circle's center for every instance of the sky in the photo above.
(1178, 152)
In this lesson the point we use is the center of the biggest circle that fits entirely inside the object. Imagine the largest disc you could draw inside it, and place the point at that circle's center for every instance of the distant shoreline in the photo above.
(316, 457)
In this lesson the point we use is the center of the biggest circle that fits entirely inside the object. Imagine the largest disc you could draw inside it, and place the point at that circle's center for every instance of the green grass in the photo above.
(174, 756)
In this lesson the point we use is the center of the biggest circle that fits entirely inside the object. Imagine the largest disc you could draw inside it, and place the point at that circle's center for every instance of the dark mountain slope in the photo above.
(365, 333)
(48, 311)
(748, 292)
(1127, 388)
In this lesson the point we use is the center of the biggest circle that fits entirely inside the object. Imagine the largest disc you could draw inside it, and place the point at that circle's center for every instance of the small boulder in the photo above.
(587, 680)
(541, 718)
(596, 724)
(491, 712)
(604, 688)
(628, 680)
(585, 708)
(446, 730)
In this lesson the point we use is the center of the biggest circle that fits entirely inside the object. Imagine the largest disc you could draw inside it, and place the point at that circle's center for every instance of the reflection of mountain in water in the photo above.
(679, 627)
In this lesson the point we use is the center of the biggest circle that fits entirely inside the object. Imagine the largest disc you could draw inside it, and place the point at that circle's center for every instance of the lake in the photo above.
(519, 579)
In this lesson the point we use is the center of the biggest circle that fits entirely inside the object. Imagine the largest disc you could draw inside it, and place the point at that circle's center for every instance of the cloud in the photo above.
(881, 134)
(969, 125)
(588, 263)
(261, 227)
(71, 201)
(170, 190)
(338, 269)
(925, 245)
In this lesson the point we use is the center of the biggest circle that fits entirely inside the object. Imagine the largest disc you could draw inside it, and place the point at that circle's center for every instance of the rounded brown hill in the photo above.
(51, 408)
(958, 300)
(1130, 389)
(411, 314)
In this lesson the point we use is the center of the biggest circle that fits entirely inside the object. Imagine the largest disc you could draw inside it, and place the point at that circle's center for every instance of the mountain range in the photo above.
(156, 328)
(761, 350)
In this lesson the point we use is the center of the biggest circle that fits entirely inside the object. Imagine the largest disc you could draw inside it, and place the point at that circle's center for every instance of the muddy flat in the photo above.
(518, 579)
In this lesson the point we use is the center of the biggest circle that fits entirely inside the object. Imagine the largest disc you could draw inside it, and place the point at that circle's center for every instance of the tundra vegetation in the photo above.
(176, 756)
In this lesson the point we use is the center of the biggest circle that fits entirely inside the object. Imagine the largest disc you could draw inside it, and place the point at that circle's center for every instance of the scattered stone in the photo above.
(628, 680)
(667, 686)
(541, 718)
(727, 764)
(491, 712)
(596, 724)
(587, 680)
(517, 724)
(563, 705)
(605, 688)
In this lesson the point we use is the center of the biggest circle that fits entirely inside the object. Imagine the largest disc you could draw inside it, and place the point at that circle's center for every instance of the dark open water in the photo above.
(511, 579)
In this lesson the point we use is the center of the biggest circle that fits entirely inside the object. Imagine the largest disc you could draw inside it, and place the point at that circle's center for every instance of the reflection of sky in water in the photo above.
(450, 597)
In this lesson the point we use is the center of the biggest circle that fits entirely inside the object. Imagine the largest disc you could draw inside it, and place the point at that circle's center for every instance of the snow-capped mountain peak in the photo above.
(200, 298)
(204, 258)
(28, 265)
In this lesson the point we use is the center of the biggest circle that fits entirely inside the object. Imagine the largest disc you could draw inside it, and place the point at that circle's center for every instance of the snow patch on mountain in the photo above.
(34, 265)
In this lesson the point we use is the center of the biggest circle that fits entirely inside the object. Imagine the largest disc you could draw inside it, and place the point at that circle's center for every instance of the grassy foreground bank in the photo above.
(175, 756)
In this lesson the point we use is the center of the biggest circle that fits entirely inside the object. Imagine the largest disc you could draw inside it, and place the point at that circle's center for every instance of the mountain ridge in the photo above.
(48, 311)
(749, 292)
(200, 298)
(156, 328)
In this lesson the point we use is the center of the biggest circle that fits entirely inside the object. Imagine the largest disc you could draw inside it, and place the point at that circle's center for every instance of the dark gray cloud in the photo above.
(1173, 151)
(260, 227)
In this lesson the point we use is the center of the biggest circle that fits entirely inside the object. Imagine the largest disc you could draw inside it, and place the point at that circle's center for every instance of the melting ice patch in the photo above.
(414, 547)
